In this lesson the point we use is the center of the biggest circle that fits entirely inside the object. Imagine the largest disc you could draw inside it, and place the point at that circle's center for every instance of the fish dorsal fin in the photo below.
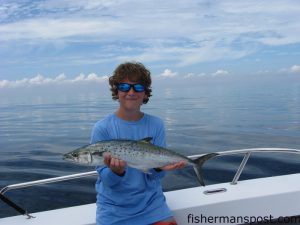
(146, 140)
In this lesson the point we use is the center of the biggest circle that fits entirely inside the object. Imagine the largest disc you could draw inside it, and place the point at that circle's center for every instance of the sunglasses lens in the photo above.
(123, 87)
(138, 87)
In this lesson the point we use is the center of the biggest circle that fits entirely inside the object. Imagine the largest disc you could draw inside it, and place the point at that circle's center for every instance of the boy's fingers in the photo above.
(174, 166)
(117, 166)
(106, 155)
(107, 158)
(114, 162)
(118, 163)
(122, 163)
(181, 164)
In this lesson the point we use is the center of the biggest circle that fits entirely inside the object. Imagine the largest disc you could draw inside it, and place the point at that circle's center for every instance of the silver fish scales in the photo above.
(139, 154)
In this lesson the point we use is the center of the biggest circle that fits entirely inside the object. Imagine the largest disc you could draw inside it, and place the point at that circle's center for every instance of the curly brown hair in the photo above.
(133, 71)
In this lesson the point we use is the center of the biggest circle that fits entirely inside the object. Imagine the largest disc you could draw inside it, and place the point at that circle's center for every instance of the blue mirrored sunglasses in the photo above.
(125, 87)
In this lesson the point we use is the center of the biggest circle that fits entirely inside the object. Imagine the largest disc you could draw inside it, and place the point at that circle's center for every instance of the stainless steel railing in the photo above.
(37, 182)
(47, 181)
(247, 153)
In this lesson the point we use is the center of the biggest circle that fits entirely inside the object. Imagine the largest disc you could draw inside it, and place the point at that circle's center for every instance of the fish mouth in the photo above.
(68, 157)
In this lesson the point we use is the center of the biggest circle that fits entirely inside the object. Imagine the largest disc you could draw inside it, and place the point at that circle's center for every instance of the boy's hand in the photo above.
(174, 166)
(116, 165)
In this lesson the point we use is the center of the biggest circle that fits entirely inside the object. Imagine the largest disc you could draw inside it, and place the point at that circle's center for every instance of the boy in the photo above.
(126, 195)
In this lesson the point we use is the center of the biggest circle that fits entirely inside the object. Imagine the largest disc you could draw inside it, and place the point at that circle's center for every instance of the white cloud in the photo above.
(94, 77)
(220, 73)
(168, 74)
(60, 79)
(117, 19)
(75, 5)
(183, 33)
(56, 29)
(295, 69)
(39, 79)
(292, 69)
(79, 78)
(4, 83)
(192, 75)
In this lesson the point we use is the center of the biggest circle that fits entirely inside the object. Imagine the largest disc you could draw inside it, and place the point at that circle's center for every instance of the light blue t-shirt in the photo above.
(135, 198)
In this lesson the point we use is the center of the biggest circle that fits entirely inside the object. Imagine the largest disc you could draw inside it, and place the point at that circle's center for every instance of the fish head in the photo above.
(81, 156)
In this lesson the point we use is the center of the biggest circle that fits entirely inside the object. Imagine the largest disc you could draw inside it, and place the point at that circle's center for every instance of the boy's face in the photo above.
(131, 100)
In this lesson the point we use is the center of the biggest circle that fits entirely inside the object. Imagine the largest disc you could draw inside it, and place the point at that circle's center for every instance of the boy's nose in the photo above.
(131, 91)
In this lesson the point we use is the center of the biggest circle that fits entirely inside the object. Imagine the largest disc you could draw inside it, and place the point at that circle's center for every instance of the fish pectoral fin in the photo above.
(147, 139)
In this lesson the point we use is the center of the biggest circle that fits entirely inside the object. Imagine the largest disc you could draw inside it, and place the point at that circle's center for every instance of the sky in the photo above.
(73, 41)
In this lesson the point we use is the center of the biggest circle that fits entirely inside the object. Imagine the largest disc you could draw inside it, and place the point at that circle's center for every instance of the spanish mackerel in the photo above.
(140, 154)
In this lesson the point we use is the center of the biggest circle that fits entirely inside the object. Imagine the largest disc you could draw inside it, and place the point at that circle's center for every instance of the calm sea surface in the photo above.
(36, 129)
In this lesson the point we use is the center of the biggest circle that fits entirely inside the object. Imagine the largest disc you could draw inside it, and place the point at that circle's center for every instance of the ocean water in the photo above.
(38, 125)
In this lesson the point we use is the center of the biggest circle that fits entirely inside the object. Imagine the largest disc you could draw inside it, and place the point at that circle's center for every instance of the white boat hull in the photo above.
(245, 202)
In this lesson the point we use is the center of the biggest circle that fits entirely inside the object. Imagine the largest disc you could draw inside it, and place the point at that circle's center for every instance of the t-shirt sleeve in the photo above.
(160, 137)
(99, 133)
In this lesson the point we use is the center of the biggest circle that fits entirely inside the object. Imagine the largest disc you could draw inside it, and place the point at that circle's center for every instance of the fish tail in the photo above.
(198, 166)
